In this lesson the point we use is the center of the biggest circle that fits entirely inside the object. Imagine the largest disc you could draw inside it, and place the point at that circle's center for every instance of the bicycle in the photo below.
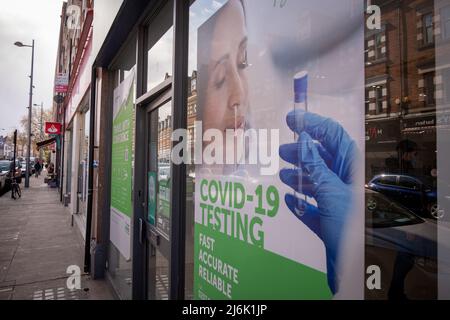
(16, 192)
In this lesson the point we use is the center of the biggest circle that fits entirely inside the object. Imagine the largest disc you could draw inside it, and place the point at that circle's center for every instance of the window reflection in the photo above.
(160, 47)
(406, 102)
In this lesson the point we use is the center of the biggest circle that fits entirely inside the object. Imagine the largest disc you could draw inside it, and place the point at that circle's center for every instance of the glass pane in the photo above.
(122, 167)
(158, 273)
(200, 11)
(401, 86)
(160, 47)
(160, 171)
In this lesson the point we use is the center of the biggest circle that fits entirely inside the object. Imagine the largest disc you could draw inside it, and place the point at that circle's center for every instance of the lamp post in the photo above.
(30, 106)
(41, 135)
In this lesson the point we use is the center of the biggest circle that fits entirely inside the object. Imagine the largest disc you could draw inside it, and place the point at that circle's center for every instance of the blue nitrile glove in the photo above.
(326, 170)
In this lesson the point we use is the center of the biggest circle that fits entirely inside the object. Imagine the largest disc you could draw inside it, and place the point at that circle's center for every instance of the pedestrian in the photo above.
(37, 169)
(41, 162)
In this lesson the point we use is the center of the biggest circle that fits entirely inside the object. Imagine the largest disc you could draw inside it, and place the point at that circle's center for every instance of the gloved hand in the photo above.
(324, 172)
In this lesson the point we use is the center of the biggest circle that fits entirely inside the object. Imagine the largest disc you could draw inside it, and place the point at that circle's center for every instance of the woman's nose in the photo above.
(237, 91)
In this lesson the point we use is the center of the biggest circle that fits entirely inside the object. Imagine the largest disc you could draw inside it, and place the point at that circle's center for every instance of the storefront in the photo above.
(230, 154)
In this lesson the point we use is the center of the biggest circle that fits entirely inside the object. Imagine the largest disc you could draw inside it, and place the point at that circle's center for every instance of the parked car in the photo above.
(23, 169)
(5, 166)
(32, 162)
(404, 246)
(416, 193)
(4, 172)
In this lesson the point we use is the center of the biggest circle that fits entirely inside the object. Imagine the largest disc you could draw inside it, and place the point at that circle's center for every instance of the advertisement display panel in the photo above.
(121, 166)
(279, 175)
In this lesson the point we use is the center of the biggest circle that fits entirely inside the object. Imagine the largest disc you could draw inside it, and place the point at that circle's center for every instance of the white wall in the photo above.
(104, 13)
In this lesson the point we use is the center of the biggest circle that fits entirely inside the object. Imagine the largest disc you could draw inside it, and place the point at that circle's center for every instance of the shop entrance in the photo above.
(158, 207)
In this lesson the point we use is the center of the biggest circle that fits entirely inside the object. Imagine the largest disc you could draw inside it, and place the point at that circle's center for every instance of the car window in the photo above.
(409, 183)
(4, 166)
(384, 213)
(388, 180)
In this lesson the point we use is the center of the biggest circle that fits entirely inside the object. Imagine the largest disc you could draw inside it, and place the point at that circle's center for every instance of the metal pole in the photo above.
(27, 173)
(13, 174)
(42, 133)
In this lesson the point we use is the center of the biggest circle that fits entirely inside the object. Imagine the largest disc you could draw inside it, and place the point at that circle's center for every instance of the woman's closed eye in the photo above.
(243, 59)
(220, 73)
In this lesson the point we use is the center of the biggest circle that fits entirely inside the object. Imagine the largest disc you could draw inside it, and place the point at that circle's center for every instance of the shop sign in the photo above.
(382, 132)
(62, 83)
(420, 122)
(53, 128)
(272, 235)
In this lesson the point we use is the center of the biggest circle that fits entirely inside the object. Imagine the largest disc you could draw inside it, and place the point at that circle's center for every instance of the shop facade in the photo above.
(158, 228)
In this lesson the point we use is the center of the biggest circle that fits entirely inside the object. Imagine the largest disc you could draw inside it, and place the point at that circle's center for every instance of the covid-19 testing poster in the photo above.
(279, 196)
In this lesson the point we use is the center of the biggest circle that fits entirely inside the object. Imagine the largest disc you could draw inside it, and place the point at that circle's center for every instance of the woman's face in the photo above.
(226, 99)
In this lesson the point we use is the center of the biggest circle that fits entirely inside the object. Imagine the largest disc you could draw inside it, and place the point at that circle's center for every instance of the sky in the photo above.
(24, 20)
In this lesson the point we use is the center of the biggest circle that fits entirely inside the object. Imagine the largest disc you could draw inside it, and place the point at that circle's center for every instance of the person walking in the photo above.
(37, 169)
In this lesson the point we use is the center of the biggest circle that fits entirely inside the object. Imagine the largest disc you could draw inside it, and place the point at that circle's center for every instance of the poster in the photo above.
(121, 166)
(279, 196)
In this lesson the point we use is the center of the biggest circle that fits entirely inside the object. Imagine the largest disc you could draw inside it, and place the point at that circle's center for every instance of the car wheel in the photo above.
(435, 211)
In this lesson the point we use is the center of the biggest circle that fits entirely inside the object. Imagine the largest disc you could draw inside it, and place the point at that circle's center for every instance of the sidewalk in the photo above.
(37, 244)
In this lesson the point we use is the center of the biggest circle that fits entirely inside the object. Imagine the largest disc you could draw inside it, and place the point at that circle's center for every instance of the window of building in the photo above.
(379, 99)
(367, 101)
(428, 29)
(376, 46)
(445, 18)
(429, 89)
(446, 85)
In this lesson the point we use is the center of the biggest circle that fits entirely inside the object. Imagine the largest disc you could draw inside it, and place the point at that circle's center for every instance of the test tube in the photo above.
(300, 102)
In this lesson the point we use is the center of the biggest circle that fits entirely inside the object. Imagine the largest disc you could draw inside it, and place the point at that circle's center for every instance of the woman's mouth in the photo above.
(236, 123)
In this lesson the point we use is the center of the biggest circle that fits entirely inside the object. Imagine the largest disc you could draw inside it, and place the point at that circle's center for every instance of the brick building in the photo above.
(405, 89)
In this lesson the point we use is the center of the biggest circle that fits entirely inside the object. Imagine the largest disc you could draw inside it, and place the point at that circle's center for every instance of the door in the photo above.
(158, 208)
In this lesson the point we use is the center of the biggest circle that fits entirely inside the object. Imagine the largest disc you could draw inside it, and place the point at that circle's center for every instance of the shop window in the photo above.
(445, 18)
(122, 167)
(200, 12)
(428, 29)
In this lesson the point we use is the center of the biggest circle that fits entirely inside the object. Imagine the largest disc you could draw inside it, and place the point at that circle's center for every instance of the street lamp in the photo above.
(41, 135)
(30, 106)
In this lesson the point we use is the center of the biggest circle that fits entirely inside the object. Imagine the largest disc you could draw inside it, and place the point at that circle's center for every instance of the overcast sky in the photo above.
(24, 20)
